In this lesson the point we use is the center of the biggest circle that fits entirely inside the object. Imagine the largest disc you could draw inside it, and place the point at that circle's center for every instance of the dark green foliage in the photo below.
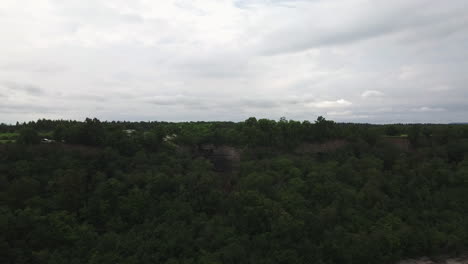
(28, 136)
(392, 130)
(147, 193)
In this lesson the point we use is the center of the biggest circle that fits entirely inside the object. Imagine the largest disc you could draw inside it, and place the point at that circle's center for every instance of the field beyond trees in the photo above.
(257, 191)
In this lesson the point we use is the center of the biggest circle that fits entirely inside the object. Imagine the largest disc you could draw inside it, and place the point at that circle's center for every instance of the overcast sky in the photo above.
(375, 61)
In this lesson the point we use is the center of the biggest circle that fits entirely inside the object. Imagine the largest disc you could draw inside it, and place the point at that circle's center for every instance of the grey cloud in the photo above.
(33, 66)
(352, 60)
(95, 12)
(88, 97)
(26, 88)
(175, 100)
(213, 103)
(214, 63)
(28, 108)
(258, 103)
(456, 107)
(223, 104)
(245, 103)
(416, 17)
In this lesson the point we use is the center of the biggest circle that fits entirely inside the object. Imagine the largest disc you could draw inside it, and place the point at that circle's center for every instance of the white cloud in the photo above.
(340, 113)
(372, 93)
(428, 109)
(441, 88)
(330, 104)
(408, 72)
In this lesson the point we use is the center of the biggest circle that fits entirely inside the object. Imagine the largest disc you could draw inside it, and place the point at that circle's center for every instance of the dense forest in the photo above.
(257, 191)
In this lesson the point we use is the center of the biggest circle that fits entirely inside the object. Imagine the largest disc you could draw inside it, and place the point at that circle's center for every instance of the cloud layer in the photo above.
(349, 60)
